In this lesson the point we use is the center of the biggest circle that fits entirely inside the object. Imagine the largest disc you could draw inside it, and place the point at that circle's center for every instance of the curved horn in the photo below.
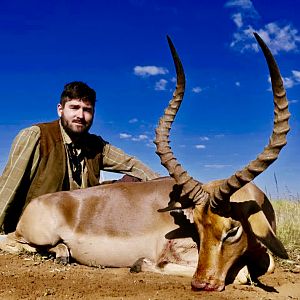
(190, 187)
(276, 142)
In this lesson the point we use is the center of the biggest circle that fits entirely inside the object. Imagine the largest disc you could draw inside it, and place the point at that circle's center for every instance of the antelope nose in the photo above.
(206, 286)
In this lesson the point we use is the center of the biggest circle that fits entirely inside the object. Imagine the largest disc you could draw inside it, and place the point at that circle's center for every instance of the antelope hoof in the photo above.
(137, 266)
(242, 276)
(64, 260)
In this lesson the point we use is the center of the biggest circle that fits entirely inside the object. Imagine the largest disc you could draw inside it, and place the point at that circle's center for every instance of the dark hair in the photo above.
(77, 90)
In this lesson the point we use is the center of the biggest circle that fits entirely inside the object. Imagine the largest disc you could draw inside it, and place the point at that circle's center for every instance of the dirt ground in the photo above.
(36, 277)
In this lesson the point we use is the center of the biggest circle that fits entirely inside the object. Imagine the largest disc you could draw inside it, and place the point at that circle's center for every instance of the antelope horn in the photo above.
(276, 142)
(190, 187)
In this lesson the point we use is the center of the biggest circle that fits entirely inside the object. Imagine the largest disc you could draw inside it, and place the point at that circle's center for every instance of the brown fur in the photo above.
(118, 225)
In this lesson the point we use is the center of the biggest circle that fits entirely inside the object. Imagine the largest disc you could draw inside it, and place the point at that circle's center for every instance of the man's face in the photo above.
(76, 117)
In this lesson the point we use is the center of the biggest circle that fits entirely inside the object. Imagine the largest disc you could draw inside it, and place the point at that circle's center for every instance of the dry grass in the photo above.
(288, 227)
(288, 221)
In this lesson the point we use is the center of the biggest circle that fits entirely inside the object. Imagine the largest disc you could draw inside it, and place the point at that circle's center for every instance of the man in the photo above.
(60, 155)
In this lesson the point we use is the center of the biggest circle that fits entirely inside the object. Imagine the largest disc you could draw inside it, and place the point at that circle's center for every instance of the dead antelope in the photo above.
(210, 230)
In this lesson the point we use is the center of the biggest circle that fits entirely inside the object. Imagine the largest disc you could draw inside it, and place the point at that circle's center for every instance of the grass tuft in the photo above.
(288, 221)
(288, 231)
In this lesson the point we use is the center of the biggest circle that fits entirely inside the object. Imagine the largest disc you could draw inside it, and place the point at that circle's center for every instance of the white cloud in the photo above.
(287, 81)
(245, 7)
(291, 81)
(145, 71)
(200, 146)
(278, 37)
(134, 120)
(125, 136)
(143, 136)
(237, 19)
(138, 138)
(245, 4)
(296, 75)
(293, 101)
(197, 89)
(204, 138)
(161, 85)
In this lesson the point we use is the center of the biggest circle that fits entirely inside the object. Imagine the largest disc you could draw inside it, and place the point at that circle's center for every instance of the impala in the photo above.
(207, 230)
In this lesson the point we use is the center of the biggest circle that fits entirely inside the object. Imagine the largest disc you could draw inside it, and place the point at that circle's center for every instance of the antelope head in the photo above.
(226, 231)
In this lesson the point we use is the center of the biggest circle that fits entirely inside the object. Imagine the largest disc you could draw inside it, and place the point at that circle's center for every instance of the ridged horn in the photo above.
(190, 187)
(276, 142)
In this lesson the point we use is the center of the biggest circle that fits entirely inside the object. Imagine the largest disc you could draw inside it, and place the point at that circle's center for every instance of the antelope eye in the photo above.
(233, 234)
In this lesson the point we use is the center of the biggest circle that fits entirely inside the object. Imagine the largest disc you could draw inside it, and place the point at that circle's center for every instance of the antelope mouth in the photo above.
(207, 286)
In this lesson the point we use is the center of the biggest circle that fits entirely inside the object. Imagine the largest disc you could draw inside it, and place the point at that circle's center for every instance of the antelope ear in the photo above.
(264, 233)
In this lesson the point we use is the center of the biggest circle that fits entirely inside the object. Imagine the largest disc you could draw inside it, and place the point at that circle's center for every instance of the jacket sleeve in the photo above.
(24, 154)
(116, 160)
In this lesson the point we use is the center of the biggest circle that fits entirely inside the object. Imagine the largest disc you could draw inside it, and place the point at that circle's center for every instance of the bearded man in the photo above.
(61, 155)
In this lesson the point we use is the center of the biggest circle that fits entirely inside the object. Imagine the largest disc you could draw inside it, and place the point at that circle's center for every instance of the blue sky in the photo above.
(120, 49)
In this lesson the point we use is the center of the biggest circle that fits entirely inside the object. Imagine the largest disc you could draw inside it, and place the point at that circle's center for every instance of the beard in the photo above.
(75, 128)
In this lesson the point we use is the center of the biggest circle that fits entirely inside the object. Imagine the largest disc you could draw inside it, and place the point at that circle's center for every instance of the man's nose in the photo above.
(80, 113)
